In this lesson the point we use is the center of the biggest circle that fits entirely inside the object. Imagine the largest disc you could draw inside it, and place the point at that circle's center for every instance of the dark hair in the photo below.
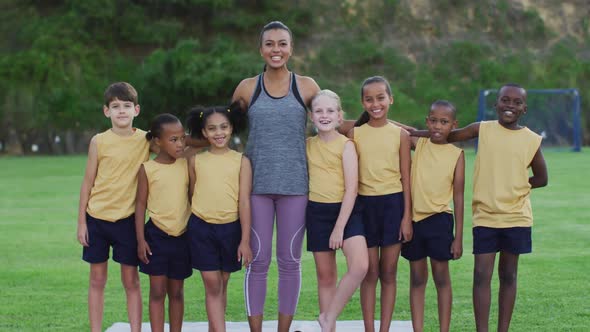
(235, 114)
(445, 103)
(274, 25)
(157, 123)
(122, 91)
(513, 85)
(364, 118)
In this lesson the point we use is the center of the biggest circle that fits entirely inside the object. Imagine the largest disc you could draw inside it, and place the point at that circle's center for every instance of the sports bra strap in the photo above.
(294, 89)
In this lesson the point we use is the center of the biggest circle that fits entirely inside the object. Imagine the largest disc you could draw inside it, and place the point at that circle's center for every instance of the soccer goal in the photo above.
(553, 113)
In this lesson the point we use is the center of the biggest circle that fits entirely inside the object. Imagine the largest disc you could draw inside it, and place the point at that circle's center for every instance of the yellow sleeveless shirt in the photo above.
(501, 186)
(433, 172)
(217, 186)
(113, 194)
(326, 175)
(378, 149)
(168, 203)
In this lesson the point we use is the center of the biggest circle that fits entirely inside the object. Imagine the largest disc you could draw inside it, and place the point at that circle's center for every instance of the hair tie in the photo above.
(201, 115)
(228, 110)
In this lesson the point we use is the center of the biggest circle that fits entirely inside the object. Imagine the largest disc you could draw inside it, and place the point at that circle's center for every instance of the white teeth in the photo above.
(275, 58)
(376, 111)
(508, 112)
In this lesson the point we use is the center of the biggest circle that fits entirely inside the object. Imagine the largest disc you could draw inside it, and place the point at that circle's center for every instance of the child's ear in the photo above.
(157, 141)
(137, 110)
(204, 133)
(390, 100)
(105, 111)
(455, 124)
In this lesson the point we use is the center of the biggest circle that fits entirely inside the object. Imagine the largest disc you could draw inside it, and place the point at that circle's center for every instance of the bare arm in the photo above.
(85, 189)
(459, 206)
(350, 171)
(346, 126)
(244, 251)
(143, 249)
(466, 133)
(405, 161)
(192, 177)
(539, 167)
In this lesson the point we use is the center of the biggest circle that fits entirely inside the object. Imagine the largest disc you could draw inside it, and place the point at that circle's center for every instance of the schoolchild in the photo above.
(438, 175)
(333, 220)
(162, 248)
(501, 206)
(107, 203)
(384, 192)
(220, 186)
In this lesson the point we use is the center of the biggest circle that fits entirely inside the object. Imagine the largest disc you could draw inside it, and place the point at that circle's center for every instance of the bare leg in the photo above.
(255, 323)
(130, 279)
(225, 276)
(355, 249)
(97, 283)
(507, 272)
(418, 280)
(175, 304)
(158, 288)
(327, 275)
(388, 278)
(369, 289)
(442, 280)
(482, 278)
(213, 281)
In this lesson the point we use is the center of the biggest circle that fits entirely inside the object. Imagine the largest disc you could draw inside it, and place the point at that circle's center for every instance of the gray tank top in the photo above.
(276, 142)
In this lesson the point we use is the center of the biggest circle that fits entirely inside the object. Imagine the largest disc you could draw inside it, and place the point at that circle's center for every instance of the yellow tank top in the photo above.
(215, 197)
(326, 175)
(501, 186)
(168, 203)
(433, 171)
(113, 194)
(378, 149)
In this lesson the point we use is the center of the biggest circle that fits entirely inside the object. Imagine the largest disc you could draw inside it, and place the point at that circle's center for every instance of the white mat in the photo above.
(271, 326)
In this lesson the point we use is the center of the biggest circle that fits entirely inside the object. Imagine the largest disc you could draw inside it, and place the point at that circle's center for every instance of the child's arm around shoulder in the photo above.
(459, 206)
(143, 249)
(539, 167)
(192, 176)
(245, 189)
(405, 162)
(465, 133)
(87, 184)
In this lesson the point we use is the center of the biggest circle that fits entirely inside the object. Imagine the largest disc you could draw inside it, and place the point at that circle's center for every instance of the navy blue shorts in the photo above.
(320, 219)
(433, 237)
(104, 234)
(214, 247)
(382, 218)
(170, 254)
(515, 240)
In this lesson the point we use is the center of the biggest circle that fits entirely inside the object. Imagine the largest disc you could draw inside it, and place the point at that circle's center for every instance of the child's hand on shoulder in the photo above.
(83, 233)
(143, 250)
(406, 231)
(457, 248)
(336, 238)
(245, 253)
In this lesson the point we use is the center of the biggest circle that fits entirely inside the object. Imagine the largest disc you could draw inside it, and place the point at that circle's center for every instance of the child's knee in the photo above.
(131, 283)
(359, 269)
(441, 281)
(418, 280)
(481, 277)
(176, 295)
(507, 278)
(327, 278)
(98, 281)
(372, 275)
(388, 275)
(157, 294)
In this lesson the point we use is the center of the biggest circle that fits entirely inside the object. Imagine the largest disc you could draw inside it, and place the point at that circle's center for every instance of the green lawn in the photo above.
(44, 281)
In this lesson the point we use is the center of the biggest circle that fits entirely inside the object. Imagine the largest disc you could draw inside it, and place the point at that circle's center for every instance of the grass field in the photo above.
(44, 281)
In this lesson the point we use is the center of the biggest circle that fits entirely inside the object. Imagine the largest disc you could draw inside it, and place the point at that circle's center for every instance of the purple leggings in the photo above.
(290, 216)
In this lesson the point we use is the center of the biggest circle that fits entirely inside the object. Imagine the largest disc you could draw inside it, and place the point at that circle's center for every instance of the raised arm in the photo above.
(405, 161)
(350, 171)
(459, 206)
(143, 249)
(85, 189)
(244, 251)
(539, 167)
